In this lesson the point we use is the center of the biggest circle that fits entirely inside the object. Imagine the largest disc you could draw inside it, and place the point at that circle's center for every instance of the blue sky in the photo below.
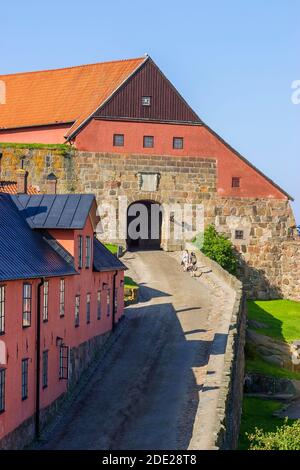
(234, 61)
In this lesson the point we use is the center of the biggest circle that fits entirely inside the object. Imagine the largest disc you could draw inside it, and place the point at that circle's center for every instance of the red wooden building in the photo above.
(61, 293)
(125, 106)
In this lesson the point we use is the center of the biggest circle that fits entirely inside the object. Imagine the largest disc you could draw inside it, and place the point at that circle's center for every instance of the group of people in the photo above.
(189, 261)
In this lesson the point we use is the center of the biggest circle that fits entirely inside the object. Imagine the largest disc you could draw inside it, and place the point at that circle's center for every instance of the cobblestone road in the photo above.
(144, 393)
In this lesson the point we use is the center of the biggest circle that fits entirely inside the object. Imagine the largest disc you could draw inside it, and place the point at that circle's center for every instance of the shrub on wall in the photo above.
(286, 437)
(218, 248)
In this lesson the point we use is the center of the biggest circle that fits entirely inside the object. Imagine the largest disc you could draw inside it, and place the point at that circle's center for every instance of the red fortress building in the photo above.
(61, 294)
(122, 107)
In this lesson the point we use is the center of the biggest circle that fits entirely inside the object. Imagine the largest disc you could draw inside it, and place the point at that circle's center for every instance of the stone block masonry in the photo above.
(220, 405)
(269, 251)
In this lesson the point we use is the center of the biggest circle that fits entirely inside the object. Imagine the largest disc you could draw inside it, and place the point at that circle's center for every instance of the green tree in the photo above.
(286, 437)
(218, 248)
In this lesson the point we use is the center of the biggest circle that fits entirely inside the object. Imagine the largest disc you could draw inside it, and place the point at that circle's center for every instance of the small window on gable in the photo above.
(239, 235)
(236, 182)
(146, 100)
(118, 140)
(178, 143)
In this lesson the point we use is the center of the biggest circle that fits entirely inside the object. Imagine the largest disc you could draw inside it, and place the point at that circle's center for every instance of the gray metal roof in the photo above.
(55, 211)
(25, 253)
(104, 260)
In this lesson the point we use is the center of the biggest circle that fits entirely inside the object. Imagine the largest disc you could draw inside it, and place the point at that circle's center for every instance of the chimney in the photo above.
(51, 183)
(22, 176)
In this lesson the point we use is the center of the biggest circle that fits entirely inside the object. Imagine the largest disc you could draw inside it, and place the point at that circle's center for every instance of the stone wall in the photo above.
(222, 392)
(181, 180)
(269, 254)
(40, 162)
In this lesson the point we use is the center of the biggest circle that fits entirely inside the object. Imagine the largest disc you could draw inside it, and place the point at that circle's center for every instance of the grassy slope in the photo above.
(282, 318)
(258, 413)
(258, 365)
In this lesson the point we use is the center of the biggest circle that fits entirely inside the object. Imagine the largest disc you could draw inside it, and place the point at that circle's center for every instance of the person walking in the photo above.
(185, 260)
(193, 262)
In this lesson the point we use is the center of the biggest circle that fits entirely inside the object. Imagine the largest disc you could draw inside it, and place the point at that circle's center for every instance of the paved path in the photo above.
(145, 392)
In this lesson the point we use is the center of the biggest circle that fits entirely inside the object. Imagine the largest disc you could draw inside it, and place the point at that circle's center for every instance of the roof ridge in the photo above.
(71, 67)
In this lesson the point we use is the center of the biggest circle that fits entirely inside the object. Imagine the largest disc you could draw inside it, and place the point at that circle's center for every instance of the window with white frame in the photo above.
(27, 299)
(98, 305)
(2, 309)
(88, 308)
(146, 100)
(45, 300)
(108, 302)
(88, 252)
(116, 300)
(62, 297)
(77, 309)
(63, 362)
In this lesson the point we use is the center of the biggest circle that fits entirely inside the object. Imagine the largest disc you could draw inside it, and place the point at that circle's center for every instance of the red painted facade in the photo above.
(20, 342)
(198, 141)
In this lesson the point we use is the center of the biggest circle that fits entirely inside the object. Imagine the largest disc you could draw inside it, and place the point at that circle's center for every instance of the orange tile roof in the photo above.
(10, 187)
(68, 95)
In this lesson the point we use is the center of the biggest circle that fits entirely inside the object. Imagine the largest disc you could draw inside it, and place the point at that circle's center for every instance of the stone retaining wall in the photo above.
(222, 393)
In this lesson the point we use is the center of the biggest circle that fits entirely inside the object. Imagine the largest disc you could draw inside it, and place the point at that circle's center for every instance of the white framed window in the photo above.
(99, 305)
(146, 100)
(88, 252)
(108, 302)
(27, 300)
(88, 308)
(45, 301)
(2, 309)
(77, 309)
(62, 298)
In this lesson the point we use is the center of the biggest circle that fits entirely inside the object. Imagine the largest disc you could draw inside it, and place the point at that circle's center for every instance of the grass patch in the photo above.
(258, 365)
(258, 412)
(281, 317)
(112, 248)
(61, 147)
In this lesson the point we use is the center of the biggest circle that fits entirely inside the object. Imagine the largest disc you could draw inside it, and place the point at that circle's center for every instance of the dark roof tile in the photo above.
(24, 254)
(50, 211)
(104, 260)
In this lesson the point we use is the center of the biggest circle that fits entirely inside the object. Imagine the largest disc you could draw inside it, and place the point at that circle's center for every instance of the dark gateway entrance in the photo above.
(144, 220)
